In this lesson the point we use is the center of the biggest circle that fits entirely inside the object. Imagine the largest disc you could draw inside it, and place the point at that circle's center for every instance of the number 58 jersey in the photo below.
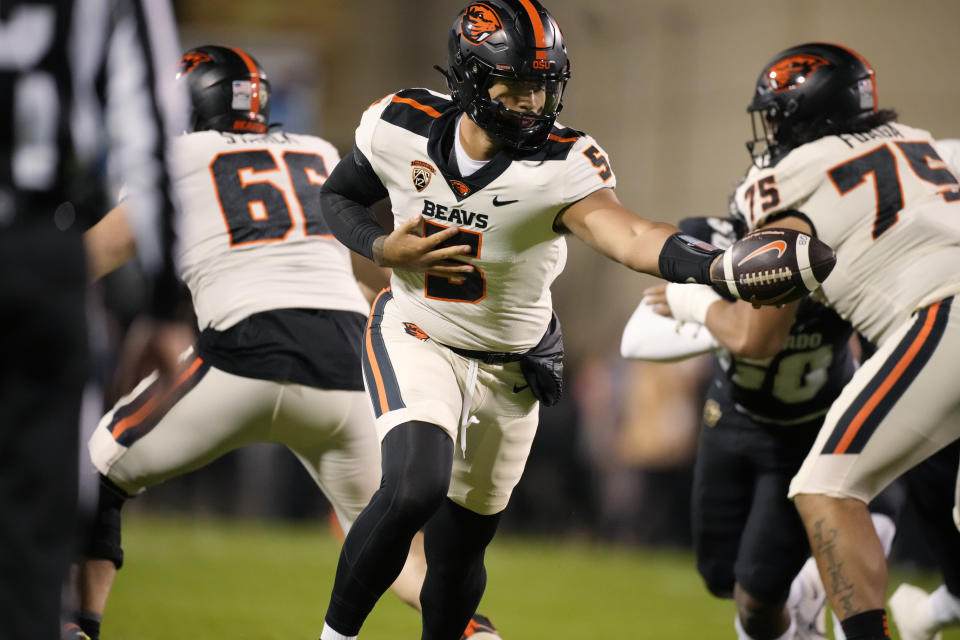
(252, 237)
(889, 206)
(505, 213)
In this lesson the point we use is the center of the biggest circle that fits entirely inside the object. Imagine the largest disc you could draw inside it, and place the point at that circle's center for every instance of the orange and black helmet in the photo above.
(507, 40)
(228, 89)
(806, 92)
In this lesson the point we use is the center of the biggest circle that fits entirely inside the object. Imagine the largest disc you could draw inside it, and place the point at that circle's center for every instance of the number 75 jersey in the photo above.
(252, 237)
(889, 206)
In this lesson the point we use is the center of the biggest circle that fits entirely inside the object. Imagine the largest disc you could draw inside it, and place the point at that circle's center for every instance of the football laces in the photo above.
(766, 277)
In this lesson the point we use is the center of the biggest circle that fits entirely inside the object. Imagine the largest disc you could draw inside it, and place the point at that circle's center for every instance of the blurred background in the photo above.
(663, 87)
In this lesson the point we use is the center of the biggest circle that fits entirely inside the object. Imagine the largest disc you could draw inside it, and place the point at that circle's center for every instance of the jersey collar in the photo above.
(440, 150)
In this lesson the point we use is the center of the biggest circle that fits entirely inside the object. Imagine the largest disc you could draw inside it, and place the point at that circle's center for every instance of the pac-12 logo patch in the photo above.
(479, 22)
(422, 172)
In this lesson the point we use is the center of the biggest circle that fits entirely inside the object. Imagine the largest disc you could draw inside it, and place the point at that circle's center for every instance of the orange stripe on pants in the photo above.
(136, 418)
(888, 383)
(374, 367)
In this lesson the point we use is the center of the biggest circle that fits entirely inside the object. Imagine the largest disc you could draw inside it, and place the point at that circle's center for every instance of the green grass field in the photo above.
(215, 579)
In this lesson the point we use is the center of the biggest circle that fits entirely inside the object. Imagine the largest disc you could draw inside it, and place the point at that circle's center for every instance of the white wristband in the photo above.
(689, 302)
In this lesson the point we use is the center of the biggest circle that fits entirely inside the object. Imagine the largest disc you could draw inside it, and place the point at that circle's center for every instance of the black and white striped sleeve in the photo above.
(144, 107)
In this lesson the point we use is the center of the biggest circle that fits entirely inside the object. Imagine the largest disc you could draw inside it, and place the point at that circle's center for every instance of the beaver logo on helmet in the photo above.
(479, 22)
(229, 90)
(789, 72)
(191, 59)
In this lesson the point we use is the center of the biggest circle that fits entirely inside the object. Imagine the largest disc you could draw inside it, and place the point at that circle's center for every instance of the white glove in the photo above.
(689, 302)
(650, 336)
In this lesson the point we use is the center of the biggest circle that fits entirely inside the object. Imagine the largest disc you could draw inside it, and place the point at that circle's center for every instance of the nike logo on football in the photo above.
(518, 388)
(777, 245)
(499, 203)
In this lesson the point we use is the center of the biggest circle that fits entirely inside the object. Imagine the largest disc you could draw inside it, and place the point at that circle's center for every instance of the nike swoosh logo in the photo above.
(777, 245)
(518, 388)
(500, 203)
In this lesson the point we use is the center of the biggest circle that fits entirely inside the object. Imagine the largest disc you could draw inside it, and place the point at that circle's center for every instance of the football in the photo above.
(773, 266)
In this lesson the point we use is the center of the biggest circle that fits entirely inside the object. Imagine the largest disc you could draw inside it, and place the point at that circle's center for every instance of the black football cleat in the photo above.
(480, 628)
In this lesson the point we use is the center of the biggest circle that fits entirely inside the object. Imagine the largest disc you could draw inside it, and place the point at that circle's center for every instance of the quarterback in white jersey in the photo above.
(831, 164)
(483, 184)
(280, 311)
(505, 212)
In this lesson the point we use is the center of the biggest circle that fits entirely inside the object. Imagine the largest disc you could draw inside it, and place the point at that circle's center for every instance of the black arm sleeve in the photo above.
(686, 259)
(345, 200)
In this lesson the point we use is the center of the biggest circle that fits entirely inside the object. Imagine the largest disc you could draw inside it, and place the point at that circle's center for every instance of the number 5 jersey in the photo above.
(254, 238)
(505, 212)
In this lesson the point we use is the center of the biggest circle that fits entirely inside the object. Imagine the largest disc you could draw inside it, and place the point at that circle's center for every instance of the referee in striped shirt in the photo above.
(87, 101)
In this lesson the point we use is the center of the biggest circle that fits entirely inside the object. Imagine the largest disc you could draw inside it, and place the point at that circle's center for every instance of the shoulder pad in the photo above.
(558, 146)
(416, 109)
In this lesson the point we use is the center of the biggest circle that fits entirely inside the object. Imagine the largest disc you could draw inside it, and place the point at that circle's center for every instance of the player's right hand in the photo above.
(406, 248)
(152, 345)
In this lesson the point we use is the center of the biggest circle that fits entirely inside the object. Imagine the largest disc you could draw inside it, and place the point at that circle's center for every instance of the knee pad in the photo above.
(417, 463)
(105, 535)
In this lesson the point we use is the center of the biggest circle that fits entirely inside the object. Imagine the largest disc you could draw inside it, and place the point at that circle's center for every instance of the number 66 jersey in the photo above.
(887, 204)
(255, 239)
(505, 212)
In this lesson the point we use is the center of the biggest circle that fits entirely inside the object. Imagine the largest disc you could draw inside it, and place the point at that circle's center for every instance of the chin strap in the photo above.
(446, 75)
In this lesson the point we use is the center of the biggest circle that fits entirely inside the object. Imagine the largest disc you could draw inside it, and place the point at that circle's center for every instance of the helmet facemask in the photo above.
(522, 130)
(775, 132)
(763, 144)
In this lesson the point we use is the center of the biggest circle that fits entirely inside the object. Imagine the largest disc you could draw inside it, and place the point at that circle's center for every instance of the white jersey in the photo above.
(949, 150)
(888, 205)
(252, 236)
(506, 213)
